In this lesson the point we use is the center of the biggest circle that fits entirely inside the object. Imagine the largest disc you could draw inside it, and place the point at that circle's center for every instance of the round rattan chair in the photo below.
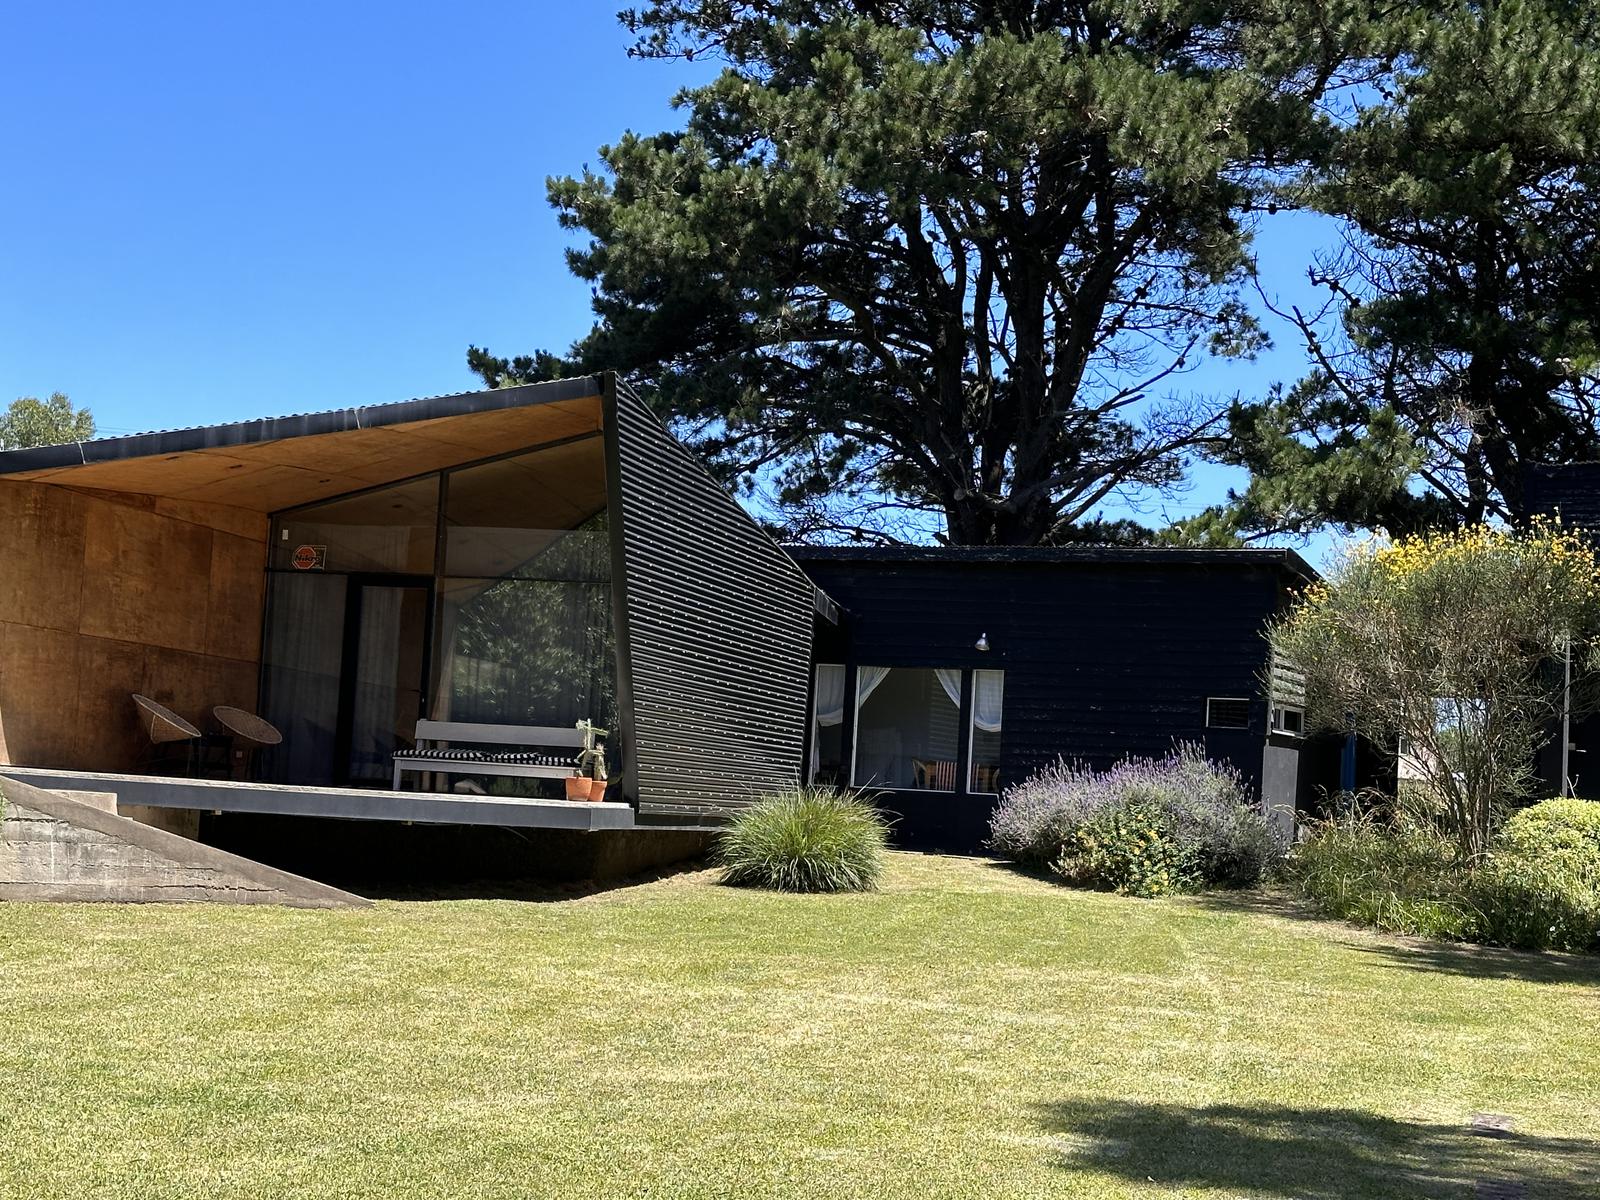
(249, 734)
(246, 726)
(161, 723)
(166, 731)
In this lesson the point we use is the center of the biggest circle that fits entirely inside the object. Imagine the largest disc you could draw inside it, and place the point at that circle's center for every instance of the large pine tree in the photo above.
(947, 258)
(1460, 339)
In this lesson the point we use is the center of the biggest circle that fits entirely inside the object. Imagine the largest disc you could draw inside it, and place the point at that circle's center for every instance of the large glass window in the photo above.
(532, 649)
(988, 699)
(827, 726)
(525, 633)
(389, 531)
(907, 727)
(511, 561)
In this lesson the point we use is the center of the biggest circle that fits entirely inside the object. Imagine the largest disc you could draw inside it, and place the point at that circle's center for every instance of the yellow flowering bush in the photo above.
(1454, 641)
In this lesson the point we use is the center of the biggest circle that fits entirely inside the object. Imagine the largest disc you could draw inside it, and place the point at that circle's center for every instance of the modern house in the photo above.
(536, 557)
(532, 556)
(955, 672)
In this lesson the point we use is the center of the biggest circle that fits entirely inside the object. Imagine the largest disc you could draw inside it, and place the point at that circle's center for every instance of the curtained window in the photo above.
(988, 699)
(827, 726)
(907, 728)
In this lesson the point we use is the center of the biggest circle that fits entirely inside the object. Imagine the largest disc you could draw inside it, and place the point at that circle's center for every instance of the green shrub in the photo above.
(1131, 850)
(807, 839)
(1538, 889)
(1202, 809)
(1565, 831)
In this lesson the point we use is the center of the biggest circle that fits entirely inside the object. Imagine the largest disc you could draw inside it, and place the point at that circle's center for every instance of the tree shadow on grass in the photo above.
(1314, 1153)
(1264, 902)
(1488, 962)
(1418, 954)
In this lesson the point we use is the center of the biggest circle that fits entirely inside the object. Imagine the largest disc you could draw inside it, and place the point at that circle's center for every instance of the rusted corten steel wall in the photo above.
(104, 594)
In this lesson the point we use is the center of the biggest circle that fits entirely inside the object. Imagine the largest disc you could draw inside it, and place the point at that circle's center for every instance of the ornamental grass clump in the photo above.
(1147, 827)
(806, 839)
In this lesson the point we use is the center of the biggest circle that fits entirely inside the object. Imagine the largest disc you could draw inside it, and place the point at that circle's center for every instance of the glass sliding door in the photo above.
(388, 630)
(342, 675)
(302, 661)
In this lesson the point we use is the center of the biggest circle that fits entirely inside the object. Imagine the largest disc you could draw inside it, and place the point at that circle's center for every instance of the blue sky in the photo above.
(214, 212)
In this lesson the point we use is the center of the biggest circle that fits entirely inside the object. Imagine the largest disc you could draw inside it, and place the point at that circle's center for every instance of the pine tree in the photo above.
(941, 258)
(1466, 304)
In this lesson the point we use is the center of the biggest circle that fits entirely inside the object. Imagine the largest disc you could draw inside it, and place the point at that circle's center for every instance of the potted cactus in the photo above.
(589, 778)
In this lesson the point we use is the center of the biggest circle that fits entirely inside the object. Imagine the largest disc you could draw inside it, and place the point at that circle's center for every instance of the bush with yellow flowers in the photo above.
(1455, 641)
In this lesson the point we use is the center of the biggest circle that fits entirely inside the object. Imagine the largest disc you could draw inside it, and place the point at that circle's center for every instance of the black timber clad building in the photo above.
(967, 669)
(527, 556)
(1571, 492)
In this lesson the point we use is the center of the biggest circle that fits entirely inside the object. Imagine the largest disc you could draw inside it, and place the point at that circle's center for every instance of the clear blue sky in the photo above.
(213, 212)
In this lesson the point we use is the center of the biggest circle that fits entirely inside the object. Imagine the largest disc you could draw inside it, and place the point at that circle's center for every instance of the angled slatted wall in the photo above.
(714, 627)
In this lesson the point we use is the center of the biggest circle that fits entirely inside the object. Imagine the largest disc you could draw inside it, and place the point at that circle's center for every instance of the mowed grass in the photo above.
(965, 1032)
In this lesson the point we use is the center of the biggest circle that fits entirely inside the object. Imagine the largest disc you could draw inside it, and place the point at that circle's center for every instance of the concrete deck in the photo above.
(350, 804)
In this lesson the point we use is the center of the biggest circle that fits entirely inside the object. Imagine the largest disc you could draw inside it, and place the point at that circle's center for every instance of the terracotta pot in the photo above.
(578, 787)
(597, 790)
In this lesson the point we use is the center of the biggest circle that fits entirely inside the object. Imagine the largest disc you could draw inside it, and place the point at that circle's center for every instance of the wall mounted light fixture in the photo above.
(982, 643)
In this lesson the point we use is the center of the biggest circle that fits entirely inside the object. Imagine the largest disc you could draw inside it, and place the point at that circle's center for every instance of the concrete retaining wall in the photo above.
(53, 847)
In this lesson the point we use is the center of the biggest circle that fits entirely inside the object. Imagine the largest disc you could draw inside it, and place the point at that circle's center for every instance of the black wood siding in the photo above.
(1103, 659)
(714, 626)
(1570, 491)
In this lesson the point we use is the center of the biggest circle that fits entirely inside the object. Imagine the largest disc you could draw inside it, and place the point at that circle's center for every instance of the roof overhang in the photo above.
(269, 465)
(979, 557)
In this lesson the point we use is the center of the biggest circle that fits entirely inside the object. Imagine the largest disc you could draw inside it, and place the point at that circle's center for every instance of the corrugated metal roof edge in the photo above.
(1287, 560)
(272, 429)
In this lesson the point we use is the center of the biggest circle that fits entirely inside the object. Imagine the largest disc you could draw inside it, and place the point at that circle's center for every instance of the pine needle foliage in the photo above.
(805, 839)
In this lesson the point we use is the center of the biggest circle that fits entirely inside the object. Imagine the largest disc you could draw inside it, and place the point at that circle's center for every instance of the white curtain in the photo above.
(950, 681)
(829, 706)
(867, 681)
(988, 694)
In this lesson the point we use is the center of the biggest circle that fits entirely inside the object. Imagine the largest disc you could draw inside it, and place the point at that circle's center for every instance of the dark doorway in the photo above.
(345, 670)
(385, 658)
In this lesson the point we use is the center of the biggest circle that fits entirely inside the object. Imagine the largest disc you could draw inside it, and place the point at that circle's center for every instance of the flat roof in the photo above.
(1282, 559)
(277, 463)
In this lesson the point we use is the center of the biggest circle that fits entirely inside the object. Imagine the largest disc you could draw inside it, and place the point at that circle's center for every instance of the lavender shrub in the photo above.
(1203, 810)
(1033, 818)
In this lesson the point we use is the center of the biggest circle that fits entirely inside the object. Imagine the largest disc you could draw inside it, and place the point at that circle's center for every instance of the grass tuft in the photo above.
(806, 839)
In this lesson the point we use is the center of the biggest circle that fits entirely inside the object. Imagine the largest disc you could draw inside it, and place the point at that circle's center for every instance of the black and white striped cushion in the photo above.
(521, 758)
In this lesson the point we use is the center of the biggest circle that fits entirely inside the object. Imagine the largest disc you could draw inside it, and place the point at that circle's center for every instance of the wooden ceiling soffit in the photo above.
(264, 477)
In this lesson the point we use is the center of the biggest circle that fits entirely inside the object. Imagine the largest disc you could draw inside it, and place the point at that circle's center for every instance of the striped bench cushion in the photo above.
(521, 758)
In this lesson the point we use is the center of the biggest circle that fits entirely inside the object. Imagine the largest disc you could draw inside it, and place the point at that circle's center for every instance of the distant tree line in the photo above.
(30, 421)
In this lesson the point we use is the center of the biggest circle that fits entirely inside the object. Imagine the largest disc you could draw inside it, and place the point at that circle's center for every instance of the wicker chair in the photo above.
(166, 729)
(249, 732)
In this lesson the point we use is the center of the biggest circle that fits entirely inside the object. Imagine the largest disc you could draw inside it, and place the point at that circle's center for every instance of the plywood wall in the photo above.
(103, 595)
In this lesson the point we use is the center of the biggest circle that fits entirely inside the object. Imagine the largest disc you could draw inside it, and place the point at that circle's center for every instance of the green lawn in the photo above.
(966, 1032)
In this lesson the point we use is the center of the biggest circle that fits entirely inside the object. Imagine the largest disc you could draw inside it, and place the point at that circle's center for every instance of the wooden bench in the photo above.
(432, 753)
